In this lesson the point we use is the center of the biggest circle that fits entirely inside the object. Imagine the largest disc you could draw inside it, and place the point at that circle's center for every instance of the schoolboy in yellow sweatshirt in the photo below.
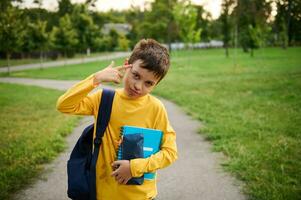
(134, 106)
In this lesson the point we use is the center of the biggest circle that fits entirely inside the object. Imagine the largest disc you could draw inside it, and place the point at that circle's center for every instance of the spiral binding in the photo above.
(120, 149)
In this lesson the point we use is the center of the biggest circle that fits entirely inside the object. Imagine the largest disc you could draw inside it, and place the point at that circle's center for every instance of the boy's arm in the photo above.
(166, 156)
(77, 101)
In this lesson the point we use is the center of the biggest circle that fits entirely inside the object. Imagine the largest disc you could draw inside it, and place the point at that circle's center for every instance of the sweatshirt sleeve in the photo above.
(77, 99)
(166, 156)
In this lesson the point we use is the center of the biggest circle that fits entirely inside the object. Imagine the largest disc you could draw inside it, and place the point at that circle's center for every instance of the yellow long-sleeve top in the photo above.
(146, 111)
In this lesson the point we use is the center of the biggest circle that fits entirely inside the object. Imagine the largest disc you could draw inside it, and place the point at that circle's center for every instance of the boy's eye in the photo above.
(149, 84)
(136, 76)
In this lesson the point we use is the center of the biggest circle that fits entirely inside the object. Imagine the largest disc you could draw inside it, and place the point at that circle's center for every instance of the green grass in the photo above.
(32, 133)
(15, 62)
(250, 108)
(69, 72)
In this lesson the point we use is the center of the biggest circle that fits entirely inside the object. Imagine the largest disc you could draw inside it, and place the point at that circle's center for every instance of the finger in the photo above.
(123, 67)
(116, 163)
(114, 173)
(120, 180)
(112, 64)
(126, 62)
(117, 178)
(117, 80)
(120, 74)
(125, 181)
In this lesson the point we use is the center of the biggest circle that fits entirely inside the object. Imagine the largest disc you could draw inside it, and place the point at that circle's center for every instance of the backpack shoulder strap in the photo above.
(103, 118)
(104, 114)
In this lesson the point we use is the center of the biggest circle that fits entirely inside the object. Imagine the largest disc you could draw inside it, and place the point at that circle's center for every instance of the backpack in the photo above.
(81, 166)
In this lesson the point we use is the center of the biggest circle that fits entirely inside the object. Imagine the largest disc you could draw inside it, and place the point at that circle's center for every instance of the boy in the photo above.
(134, 106)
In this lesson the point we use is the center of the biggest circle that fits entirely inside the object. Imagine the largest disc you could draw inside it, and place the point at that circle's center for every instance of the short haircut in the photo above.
(154, 57)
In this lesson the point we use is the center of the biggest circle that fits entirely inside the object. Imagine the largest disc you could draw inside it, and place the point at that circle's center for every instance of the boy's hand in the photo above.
(122, 171)
(110, 74)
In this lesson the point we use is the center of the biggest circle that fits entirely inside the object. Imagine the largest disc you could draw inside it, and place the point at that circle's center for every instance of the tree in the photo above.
(64, 37)
(251, 13)
(65, 7)
(159, 22)
(134, 17)
(87, 31)
(28, 44)
(186, 18)
(123, 43)
(114, 36)
(288, 22)
(11, 32)
(226, 23)
(204, 22)
(255, 38)
(40, 38)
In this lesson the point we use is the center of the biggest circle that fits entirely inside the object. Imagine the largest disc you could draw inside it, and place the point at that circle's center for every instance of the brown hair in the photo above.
(154, 56)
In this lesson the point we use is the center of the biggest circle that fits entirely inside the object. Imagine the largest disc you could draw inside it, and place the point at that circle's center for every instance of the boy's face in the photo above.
(139, 81)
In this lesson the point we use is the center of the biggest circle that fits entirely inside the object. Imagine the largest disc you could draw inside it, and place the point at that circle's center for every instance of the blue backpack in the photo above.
(81, 167)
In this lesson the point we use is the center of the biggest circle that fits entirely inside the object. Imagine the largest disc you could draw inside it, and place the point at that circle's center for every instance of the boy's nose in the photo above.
(138, 86)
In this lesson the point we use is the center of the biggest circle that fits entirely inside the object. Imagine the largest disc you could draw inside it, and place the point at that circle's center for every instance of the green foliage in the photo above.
(186, 18)
(254, 14)
(106, 44)
(64, 37)
(254, 38)
(39, 35)
(123, 43)
(114, 38)
(205, 23)
(11, 30)
(159, 22)
(283, 37)
(226, 23)
(65, 7)
(87, 31)
(288, 19)
(166, 21)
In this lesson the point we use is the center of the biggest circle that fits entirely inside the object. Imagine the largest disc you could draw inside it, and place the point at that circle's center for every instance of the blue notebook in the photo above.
(151, 143)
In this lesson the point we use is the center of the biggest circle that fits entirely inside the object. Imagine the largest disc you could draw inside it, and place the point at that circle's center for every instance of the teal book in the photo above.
(151, 143)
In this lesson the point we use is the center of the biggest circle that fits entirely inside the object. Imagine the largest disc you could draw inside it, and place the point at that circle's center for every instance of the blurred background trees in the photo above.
(80, 28)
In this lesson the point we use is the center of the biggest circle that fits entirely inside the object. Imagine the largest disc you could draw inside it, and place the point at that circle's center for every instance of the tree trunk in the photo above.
(65, 57)
(289, 35)
(8, 64)
(83, 56)
(41, 60)
(227, 52)
(252, 52)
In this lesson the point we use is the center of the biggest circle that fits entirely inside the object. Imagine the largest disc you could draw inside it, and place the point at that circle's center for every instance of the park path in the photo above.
(66, 62)
(196, 175)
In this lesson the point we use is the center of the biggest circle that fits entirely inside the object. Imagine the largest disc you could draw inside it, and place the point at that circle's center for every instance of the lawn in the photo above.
(32, 133)
(70, 72)
(24, 61)
(250, 108)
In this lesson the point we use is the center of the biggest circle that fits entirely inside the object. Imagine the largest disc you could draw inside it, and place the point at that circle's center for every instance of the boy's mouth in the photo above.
(134, 92)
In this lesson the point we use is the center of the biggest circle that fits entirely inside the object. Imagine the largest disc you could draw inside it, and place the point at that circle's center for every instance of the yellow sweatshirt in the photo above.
(146, 111)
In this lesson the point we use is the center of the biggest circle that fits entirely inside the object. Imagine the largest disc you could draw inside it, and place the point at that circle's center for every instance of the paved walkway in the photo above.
(67, 62)
(197, 174)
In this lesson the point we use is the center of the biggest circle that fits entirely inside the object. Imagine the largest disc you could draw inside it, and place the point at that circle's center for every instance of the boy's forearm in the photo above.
(165, 157)
(75, 100)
